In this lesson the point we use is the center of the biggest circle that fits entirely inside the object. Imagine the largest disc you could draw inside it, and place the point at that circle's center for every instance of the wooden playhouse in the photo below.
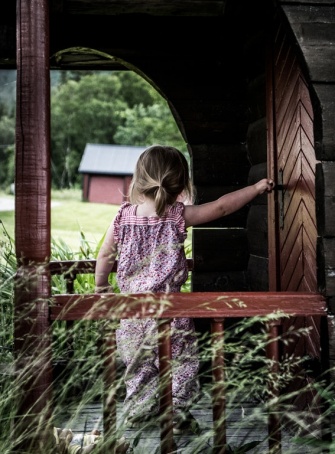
(251, 86)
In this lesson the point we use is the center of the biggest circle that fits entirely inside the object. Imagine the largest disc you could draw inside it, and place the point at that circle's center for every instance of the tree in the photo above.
(89, 110)
(109, 108)
(149, 125)
(114, 107)
(7, 138)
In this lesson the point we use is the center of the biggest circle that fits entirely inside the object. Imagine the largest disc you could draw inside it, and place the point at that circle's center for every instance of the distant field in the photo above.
(73, 216)
(70, 216)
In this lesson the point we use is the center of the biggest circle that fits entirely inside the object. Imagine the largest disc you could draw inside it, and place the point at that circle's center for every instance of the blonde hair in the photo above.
(162, 174)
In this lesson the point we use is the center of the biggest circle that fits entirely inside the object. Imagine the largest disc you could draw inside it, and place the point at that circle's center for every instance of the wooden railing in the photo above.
(213, 305)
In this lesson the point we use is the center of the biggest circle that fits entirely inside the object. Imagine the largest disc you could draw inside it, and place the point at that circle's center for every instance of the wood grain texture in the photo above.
(32, 337)
(258, 274)
(220, 249)
(209, 193)
(154, 7)
(240, 431)
(325, 143)
(257, 230)
(218, 281)
(325, 178)
(296, 159)
(32, 163)
(220, 164)
(314, 29)
(294, 166)
(256, 140)
(196, 305)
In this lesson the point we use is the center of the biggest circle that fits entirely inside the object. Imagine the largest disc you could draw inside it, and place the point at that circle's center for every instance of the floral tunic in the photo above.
(152, 259)
(151, 250)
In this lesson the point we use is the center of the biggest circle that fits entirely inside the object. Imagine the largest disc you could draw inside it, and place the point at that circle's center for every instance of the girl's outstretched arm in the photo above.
(227, 204)
(105, 262)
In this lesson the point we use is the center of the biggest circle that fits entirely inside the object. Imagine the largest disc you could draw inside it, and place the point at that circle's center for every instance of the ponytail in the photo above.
(161, 200)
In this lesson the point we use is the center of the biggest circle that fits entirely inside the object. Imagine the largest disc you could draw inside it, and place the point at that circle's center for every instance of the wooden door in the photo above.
(292, 219)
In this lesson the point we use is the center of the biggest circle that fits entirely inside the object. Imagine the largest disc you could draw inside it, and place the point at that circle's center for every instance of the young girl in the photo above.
(148, 236)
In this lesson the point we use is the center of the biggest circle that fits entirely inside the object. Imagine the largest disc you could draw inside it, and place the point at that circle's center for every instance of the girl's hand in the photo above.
(264, 185)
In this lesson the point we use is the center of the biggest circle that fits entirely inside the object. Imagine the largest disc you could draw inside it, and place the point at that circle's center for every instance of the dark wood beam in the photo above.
(32, 340)
(152, 7)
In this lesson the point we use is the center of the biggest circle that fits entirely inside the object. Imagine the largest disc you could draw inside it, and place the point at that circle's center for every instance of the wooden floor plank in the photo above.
(245, 423)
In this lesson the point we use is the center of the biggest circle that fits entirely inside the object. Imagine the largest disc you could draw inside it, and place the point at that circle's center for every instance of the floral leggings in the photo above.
(138, 347)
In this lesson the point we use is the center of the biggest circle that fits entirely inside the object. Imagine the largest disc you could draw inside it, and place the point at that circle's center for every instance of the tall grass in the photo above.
(247, 373)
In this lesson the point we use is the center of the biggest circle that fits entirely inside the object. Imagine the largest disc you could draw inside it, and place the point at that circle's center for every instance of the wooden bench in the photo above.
(213, 305)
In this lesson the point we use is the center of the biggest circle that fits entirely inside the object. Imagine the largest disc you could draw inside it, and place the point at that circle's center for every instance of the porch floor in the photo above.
(245, 424)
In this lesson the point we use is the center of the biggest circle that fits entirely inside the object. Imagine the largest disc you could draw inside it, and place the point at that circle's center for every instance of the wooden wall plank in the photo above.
(304, 14)
(257, 270)
(223, 281)
(318, 33)
(331, 304)
(220, 164)
(318, 70)
(216, 103)
(8, 35)
(329, 220)
(256, 141)
(155, 7)
(258, 172)
(254, 50)
(257, 230)
(327, 224)
(330, 282)
(314, 30)
(256, 98)
(329, 253)
(325, 206)
(308, 2)
(258, 274)
(220, 249)
(328, 169)
(208, 193)
(216, 132)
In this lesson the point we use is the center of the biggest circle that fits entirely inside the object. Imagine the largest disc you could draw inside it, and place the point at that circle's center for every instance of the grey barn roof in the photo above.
(110, 159)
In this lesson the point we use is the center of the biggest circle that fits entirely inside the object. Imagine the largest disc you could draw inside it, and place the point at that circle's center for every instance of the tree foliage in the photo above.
(107, 108)
(7, 138)
(114, 107)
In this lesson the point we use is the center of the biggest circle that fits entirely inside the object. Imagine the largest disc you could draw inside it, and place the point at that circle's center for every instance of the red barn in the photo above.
(107, 171)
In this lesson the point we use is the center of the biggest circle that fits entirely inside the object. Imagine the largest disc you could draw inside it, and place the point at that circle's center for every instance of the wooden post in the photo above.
(32, 229)
(109, 374)
(272, 353)
(70, 323)
(218, 394)
(165, 385)
(326, 419)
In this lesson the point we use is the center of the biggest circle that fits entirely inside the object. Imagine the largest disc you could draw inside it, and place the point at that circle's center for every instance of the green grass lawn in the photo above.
(70, 216)
(73, 216)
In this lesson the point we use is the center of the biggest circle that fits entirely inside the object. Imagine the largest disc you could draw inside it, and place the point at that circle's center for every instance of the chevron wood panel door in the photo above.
(292, 163)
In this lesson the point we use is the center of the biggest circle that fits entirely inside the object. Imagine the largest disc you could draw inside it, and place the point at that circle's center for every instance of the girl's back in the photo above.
(151, 250)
